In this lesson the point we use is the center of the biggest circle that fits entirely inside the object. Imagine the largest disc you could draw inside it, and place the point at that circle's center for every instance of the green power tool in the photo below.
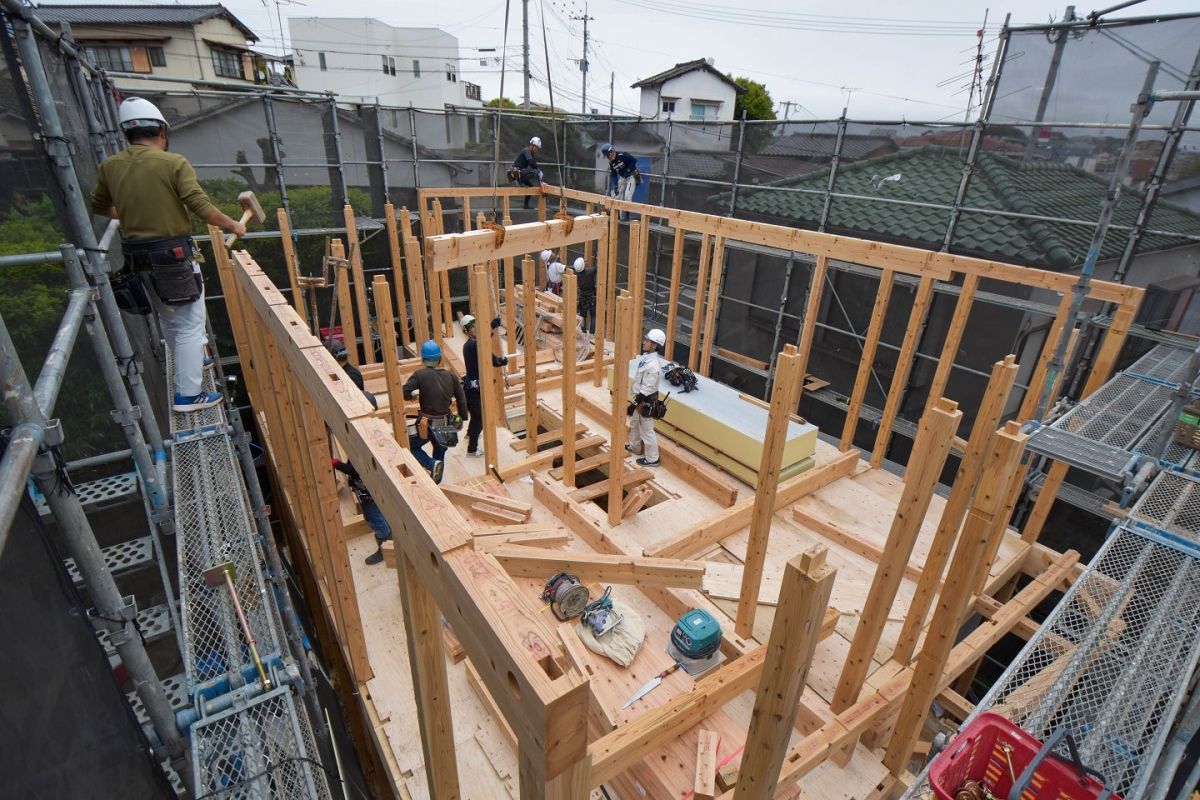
(696, 642)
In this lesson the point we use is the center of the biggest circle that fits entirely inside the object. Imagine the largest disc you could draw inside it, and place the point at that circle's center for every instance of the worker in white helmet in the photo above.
(525, 170)
(646, 406)
(554, 272)
(151, 190)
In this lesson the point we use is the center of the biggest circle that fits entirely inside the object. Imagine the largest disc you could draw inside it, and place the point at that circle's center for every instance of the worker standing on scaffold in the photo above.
(624, 175)
(151, 190)
(643, 410)
(525, 167)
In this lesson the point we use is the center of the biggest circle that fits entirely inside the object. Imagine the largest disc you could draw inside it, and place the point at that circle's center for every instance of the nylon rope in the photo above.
(499, 114)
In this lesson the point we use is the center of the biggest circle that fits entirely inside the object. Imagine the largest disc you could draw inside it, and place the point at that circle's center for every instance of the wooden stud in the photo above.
(341, 279)
(812, 309)
(716, 273)
(391, 359)
(1058, 328)
(786, 366)
(705, 784)
(633, 331)
(510, 310)
(904, 363)
(485, 347)
(465, 495)
(865, 365)
(673, 293)
(529, 325)
(569, 354)
(620, 396)
(289, 259)
(698, 310)
(431, 227)
(603, 288)
(416, 279)
(643, 263)
(954, 334)
(360, 285)
(536, 562)
(987, 418)
(807, 585)
(389, 212)
(1004, 451)
(929, 453)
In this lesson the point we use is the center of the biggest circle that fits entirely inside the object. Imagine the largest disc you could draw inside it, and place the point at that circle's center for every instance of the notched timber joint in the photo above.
(495, 228)
(566, 218)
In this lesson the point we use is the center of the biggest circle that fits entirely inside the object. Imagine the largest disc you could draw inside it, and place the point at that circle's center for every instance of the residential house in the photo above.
(694, 92)
(173, 45)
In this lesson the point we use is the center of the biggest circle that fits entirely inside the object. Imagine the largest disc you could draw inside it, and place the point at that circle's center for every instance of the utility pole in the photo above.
(1048, 86)
(525, 46)
(583, 64)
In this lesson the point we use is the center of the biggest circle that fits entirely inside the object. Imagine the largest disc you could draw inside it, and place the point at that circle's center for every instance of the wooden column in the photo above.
(620, 398)
(570, 288)
(929, 453)
(698, 310)
(769, 466)
(812, 308)
(443, 276)
(529, 323)
(604, 252)
(1004, 451)
(588, 246)
(341, 279)
(803, 598)
(485, 347)
(289, 259)
(391, 359)
(904, 363)
(431, 226)
(643, 269)
(431, 687)
(714, 302)
(610, 280)
(541, 200)
(958, 324)
(673, 296)
(886, 280)
(510, 306)
(466, 213)
(360, 285)
(634, 330)
(389, 212)
(995, 398)
(416, 279)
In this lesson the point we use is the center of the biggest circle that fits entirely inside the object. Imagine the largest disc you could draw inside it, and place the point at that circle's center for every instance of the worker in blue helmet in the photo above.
(435, 388)
(623, 174)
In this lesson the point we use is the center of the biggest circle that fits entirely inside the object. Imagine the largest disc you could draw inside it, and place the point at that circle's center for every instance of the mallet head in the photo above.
(250, 203)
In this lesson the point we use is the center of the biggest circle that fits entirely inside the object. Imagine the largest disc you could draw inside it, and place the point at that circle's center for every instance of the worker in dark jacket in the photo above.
(151, 190)
(586, 287)
(370, 510)
(526, 166)
(471, 383)
(435, 389)
(343, 358)
(623, 175)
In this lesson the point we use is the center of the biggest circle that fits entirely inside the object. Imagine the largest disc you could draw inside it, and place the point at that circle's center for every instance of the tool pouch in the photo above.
(629, 409)
(423, 427)
(444, 432)
(168, 261)
(177, 284)
(130, 292)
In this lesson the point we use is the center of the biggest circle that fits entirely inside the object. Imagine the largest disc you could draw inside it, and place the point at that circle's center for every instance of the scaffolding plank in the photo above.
(153, 623)
(97, 494)
(121, 557)
(1078, 451)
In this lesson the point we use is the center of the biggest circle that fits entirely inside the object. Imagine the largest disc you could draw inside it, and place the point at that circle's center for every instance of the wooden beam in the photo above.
(531, 562)
(360, 284)
(493, 412)
(904, 363)
(466, 495)
(496, 514)
(929, 453)
(698, 307)
(635, 500)
(807, 584)
(445, 252)
(782, 395)
(987, 418)
(393, 237)
(529, 327)
(416, 279)
(625, 480)
(341, 279)
(620, 396)
(391, 359)
(1004, 451)
(289, 260)
(812, 309)
(545, 458)
(867, 363)
(569, 354)
(827, 529)
(543, 539)
(705, 784)
(716, 274)
(954, 334)
(673, 293)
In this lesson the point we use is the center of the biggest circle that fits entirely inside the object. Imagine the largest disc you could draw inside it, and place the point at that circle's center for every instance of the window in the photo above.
(473, 91)
(227, 63)
(451, 73)
(389, 65)
(385, 72)
(157, 57)
(321, 59)
(114, 58)
(702, 109)
(416, 68)
(668, 106)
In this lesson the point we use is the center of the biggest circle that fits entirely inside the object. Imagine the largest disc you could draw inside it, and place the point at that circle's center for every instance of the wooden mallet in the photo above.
(250, 208)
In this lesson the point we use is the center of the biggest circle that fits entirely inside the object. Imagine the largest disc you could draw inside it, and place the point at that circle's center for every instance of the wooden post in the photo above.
(416, 279)
(541, 198)
(812, 308)
(610, 280)
(431, 687)
(360, 285)
(289, 258)
(603, 289)
(389, 212)
(995, 398)
(391, 359)
(803, 598)
(633, 331)
(444, 276)
(529, 324)
(958, 324)
(643, 265)
(929, 453)
(904, 362)
(1004, 451)
(1058, 328)
(431, 226)
(714, 302)
(341, 279)
(485, 347)
(768, 484)
(510, 308)
(698, 310)
(705, 782)
(588, 249)
(466, 213)
(673, 295)
(569, 353)
(886, 280)
(620, 397)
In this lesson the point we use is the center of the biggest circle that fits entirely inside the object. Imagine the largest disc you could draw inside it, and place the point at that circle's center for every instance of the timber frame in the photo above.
(302, 399)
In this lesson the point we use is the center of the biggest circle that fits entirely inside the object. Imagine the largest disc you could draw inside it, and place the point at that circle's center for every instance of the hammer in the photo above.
(250, 208)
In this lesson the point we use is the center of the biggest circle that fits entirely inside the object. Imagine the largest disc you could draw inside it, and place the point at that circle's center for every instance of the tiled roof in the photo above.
(682, 69)
(821, 145)
(138, 15)
(932, 175)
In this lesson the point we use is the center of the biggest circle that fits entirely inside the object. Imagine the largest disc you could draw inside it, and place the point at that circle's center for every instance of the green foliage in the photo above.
(755, 101)
(499, 102)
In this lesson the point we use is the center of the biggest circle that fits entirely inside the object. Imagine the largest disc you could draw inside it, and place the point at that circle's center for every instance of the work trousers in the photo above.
(417, 445)
(375, 520)
(641, 432)
(475, 424)
(184, 329)
(587, 312)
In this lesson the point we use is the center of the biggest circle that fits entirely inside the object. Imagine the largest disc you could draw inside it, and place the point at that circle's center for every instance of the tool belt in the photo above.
(168, 264)
(442, 429)
(648, 405)
(130, 292)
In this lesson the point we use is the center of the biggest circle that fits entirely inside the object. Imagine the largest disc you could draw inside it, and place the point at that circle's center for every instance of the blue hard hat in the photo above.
(604, 148)
(430, 351)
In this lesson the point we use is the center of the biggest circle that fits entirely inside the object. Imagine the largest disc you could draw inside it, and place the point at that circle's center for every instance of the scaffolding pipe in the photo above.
(79, 82)
(336, 129)
(277, 156)
(99, 461)
(115, 612)
(737, 168)
(833, 168)
(54, 369)
(28, 259)
(23, 443)
(416, 159)
(387, 195)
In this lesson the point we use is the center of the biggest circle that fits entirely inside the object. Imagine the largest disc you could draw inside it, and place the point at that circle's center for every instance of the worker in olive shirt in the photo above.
(471, 382)
(151, 190)
(435, 388)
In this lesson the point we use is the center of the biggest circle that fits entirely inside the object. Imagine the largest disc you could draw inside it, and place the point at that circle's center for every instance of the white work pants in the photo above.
(641, 431)
(625, 188)
(183, 328)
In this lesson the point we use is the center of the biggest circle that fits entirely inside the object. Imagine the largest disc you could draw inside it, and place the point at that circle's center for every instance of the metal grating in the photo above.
(260, 750)
(1118, 413)
(1165, 363)
(174, 687)
(1175, 456)
(1076, 496)
(1098, 458)
(119, 558)
(1171, 504)
(152, 623)
(95, 494)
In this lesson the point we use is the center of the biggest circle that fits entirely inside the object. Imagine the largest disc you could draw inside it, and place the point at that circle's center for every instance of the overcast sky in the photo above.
(885, 60)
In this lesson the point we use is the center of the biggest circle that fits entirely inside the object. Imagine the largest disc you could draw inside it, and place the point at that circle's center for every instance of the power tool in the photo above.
(599, 614)
(565, 595)
(696, 642)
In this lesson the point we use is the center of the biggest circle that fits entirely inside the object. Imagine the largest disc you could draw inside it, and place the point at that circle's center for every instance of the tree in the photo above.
(500, 102)
(755, 101)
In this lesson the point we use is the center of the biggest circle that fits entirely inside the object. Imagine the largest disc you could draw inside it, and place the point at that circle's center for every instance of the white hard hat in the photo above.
(536, 141)
(657, 336)
(467, 321)
(547, 255)
(578, 265)
(137, 112)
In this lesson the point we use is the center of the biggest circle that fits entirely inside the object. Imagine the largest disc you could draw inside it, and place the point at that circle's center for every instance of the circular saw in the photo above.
(565, 595)
(600, 616)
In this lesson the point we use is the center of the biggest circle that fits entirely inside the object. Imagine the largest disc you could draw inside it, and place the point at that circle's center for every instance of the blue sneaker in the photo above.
(208, 362)
(184, 404)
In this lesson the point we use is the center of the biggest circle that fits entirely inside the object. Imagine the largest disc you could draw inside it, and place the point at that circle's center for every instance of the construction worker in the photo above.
(624, 176)
(370, 511)
(642, 436)
(525, 165)
(471, 383)
(343, 358)
(151, 190)
(586, 302)
(435, 388)
(554, 272)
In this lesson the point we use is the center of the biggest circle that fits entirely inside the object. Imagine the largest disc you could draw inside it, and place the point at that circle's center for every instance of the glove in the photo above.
(504, 361)
(335, 462)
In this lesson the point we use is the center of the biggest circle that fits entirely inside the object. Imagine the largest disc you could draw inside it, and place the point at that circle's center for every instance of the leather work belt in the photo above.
(145, 254)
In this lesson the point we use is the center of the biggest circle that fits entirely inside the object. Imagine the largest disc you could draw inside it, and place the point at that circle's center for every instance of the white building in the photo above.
(692, 91)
